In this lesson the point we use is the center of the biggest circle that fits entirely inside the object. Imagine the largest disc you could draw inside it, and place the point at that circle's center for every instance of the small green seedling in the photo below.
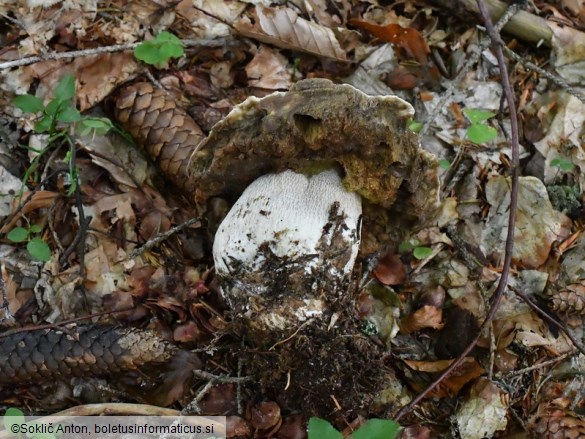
(59, 109)
(415, 126)
(35, 246)
(14, 420)
(562, 163)
(479, 132)
(414, 245)
(445, 164)
(422, 252)
(372, 429)
(95, 126)
(159, 50)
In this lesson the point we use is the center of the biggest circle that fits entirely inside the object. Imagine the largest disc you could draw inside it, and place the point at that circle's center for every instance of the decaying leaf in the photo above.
(282, 27)
(390, 270)
(10, 187)
(467, 371)
(484, 412)
(563, 136)
(426, 317)
(538, 225)
(568, 59)
(268, 69)
(408, 39)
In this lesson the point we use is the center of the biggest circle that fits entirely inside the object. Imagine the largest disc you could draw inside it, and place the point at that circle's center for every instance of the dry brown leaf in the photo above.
(98, 75)
(282, 27)
(408, 39)
(268, 69)
(426, 317)
(450, 386)
(39, 200)
(484, 412)
(538, 225)
(390, 270)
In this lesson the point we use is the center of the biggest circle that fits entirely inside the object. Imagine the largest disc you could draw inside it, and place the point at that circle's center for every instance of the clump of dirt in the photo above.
(317, 369)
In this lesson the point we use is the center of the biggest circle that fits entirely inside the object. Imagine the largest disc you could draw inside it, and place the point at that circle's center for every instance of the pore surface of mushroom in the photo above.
(286, 242)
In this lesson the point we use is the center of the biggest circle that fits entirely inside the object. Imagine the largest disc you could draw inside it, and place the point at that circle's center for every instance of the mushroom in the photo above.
(305, 166)
(289, 240)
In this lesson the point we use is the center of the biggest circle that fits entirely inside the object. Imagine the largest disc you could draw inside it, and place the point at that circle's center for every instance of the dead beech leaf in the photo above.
(282, 27)
(538, 225)
(98, 75)
(408, 39)
(484, 412)
(449, 387)
(268, 69)
(390, 270)
(426, 317)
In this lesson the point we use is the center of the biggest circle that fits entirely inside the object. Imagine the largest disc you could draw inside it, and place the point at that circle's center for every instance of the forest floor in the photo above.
(88, 227)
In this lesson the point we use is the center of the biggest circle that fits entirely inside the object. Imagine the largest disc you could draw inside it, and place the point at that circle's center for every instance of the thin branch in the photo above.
(473, 59)
(549, 319)
(163, 236)
(52, 56)
(509, 247)
(538, 366)
(555, 79)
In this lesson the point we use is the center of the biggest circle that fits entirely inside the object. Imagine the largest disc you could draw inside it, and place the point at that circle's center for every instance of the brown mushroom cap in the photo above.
(308, 128)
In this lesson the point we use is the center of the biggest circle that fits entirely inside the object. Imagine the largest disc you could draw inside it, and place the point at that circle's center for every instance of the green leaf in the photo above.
(160, 49)
(44, 124)
(13, 416)
(321, 429)
(480, 133)
(414, 126)
(69, 114)
(35, 228)
(15, 413)
(28, 103)
(562, 163)
(475, 116)
(377, 429)
(66, 88)
(444, 163)
(39, 249)
(422, 252)
(18, 234)
(99, 125)
(408, 244)
(53, 107)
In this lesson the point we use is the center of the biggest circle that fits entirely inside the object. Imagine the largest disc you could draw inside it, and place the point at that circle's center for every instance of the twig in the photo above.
(509, 247)
(220, 378)
(549, 318)
(193, 406)
(308, 322)
(162, 236)
(538, 366)
(555, 79)
(473, 59)
(52, 56)
(83, 222)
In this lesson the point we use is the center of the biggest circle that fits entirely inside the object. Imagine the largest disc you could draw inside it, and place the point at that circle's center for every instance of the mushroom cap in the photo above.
(318, 124)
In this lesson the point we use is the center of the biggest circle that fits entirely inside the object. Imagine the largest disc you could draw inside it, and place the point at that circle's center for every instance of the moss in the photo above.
(565, 199)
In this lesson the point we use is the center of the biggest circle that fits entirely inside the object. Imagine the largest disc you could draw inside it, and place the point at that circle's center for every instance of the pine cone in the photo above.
(556, 423)
(570, 299)
(169, 135)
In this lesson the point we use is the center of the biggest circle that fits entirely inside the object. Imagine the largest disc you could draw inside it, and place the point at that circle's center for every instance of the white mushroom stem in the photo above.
(287, 240)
